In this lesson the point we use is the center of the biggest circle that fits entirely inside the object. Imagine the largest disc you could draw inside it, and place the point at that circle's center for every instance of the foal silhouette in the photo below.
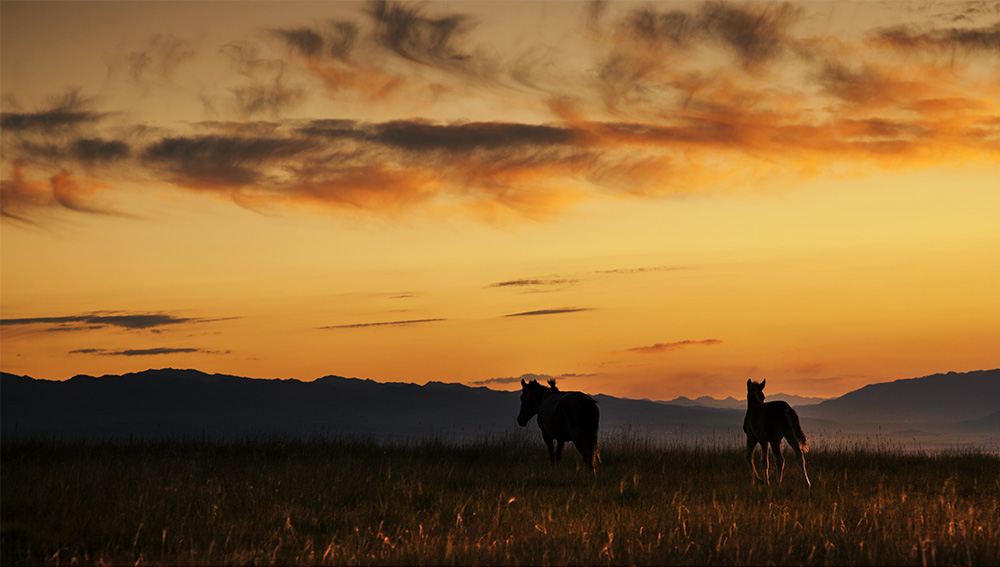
(767, 423)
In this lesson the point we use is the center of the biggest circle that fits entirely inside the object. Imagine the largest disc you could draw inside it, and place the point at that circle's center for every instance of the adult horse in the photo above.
(562, 416)
(767, 423)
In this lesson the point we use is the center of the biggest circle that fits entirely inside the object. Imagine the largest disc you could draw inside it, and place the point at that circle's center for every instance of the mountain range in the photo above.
(733, 403)
(939, 410)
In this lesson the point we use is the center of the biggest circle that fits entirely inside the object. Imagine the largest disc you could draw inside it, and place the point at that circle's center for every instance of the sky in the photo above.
(641, 199)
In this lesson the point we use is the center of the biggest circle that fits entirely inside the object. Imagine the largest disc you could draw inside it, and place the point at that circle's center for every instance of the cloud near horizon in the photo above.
(541, 378)
(675, 101)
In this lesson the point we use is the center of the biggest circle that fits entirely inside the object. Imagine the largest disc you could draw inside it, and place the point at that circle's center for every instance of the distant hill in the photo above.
(733, 403)
(192, 404)
(938, 399)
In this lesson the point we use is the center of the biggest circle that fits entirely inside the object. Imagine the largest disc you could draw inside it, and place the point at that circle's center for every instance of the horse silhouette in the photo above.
(767, 423)
(562, 416)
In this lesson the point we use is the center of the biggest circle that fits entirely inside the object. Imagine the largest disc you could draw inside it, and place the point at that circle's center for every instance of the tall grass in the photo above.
(265, 502)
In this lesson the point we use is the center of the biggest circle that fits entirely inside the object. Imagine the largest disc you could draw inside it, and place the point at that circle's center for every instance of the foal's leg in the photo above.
(559, 448)
(779, 459)
(751, 445)
(766, 473)
(800, 459)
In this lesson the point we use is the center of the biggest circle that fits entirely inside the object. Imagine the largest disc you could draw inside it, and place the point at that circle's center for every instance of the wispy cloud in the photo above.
(128, 321)
(666, 347)
(557, 282)
(549, 282)
(144, 352)
(643, 270)
(99, 320)
(383, 324)
(549, 311)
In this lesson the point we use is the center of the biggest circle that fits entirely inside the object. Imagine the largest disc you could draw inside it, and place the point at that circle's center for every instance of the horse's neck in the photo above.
(752, 404)
(551, 393)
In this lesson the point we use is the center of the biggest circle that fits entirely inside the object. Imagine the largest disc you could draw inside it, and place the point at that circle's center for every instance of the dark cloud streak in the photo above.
(144, 351)
(904, 37)
(459, 138)
(67, 113)
(229, 161)
(665, 347)
(549, 312)
(382, 324)
(534, 282)
(131, 321)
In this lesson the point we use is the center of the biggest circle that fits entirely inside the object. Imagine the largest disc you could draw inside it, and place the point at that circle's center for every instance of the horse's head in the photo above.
(532, 394)
(755, 391)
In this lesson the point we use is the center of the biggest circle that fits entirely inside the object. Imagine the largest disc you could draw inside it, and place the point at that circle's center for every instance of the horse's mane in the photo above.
(552, 384)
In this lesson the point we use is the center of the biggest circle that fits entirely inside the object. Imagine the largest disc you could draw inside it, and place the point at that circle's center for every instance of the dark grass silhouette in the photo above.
(365, 502)
(562, 416)
(767, 423)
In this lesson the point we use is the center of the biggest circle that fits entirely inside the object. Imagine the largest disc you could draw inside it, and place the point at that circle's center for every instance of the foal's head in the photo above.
(755, 391)
(532, 394)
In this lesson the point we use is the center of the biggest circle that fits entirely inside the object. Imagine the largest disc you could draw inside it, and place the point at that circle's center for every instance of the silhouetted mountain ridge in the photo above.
(193, 404)
(733, 403)
(940, 398)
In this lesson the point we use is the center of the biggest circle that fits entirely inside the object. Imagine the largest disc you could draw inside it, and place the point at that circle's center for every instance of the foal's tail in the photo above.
(793, 420)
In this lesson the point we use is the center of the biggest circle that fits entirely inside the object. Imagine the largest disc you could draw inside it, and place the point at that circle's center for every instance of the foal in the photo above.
(767, 423)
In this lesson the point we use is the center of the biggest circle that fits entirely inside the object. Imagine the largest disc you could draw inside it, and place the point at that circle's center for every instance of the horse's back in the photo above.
(768, 421)
(570, 416)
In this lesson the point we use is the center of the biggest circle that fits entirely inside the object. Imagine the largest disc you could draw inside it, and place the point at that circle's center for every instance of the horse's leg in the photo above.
(800, 459)
(559, 448)
(779, 459)
(588, 449)
(751, 445)
(552, 454)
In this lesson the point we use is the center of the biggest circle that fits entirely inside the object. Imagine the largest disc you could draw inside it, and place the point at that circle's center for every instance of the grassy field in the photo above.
(269, 502)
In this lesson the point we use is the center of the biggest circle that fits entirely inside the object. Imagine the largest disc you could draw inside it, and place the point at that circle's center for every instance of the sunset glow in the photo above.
(642, 199)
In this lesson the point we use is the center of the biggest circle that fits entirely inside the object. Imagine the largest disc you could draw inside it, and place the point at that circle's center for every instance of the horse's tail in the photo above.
(594, 416)
(793, 420)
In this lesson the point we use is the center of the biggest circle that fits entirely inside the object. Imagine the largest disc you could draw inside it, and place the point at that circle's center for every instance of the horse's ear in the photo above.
(552, 383)
(762, 382)
(523, 383)
(748, 383)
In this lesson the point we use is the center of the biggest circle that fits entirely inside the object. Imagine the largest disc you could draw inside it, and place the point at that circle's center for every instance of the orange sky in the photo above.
(644, 199)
